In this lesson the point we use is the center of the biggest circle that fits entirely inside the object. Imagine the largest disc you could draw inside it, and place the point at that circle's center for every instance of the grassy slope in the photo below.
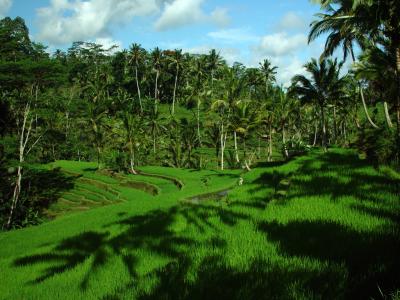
(321, 226)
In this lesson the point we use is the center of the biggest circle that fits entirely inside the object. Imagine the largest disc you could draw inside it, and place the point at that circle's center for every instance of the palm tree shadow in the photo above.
(70, 253)
(340, 175)
(360, 252)
(156, 232)
(44, 187)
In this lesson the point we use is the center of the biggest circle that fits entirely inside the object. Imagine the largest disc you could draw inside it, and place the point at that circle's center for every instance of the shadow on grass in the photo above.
(341, 175)
(44, 187)
(259, 280)
(353, 264)
(371, 259)
(157, 232)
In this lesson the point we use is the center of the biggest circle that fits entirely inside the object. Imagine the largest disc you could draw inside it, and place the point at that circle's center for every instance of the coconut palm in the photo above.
(244, 118)
(214, 61)
(176, 61)
(324, 84)
(157, 57)
(377, 64)
(199, 74)
(345, 22)
(222, 108)
(269, 73)
(136, 56)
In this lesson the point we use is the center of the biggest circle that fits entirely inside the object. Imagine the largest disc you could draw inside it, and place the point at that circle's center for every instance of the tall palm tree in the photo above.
(244, 118)
(269, 73)
(198, 71)
(377, 64)
(323, 84)
(132, 125)
(345, 26)
(214, 61)
(136, 56)
(177, 63)
(286, 110)
(157, 57)
(253, 77)
(222, 108)
(155, 124)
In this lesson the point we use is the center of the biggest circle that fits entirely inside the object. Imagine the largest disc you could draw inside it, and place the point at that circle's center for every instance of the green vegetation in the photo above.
(158, 174)
(319, 226)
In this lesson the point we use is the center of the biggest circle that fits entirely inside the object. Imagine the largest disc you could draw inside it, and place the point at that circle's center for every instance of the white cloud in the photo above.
(107, 43)
(292, 21)
(5, 5)
(287, 69)
(65, 21)
(280, 44)
(185, 12)
(234, 35)
(220, 17)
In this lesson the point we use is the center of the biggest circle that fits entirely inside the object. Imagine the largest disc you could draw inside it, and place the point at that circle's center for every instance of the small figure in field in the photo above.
(240, 182)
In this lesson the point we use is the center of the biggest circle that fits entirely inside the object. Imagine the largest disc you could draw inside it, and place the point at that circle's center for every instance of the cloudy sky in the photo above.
(245, 31)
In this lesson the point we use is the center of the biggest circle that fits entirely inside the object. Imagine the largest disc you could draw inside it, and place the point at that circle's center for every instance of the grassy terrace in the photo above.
(323, 226)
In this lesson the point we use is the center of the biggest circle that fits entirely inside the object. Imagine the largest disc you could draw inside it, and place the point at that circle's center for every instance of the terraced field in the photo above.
(322, 226)
(99, 188)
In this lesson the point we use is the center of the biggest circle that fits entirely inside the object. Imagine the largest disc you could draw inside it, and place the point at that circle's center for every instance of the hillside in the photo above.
(320, 226)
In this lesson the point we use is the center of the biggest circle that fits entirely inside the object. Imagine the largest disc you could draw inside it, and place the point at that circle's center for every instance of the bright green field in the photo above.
(323, 226)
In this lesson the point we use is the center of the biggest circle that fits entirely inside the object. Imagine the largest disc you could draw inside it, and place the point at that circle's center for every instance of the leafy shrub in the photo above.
(295, 148)
(379, 145)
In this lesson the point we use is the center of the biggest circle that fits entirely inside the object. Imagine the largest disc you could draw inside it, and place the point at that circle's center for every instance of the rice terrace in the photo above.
(197, 149)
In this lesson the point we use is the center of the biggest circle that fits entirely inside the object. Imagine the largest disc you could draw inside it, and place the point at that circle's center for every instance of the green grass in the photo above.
(323, 226)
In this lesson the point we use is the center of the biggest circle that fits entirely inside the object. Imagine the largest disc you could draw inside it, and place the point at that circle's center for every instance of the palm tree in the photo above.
(253, 77)
(177, 63)
(269, 73)
(136, 55)
(286, 110)
(267, 117)
(233, 87)
(222, 108)
(345, 29)
(244, 118)
(157, 57)
(132, 125)
(377, 64)
(214, 61)
(198, 70)
(324, 84)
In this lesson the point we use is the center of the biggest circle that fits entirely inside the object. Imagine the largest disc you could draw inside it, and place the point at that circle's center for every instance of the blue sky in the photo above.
(245, 31)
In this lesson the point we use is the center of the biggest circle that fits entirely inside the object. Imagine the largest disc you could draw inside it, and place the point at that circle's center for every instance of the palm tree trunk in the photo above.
(284, 142)
(387, 115)
(198, 119)
(344, 132)
(362, 96)
(398, 99)
(270, 143)
(315, 134)
(323, 125)
(138, 89)
(132, 157)
(98, 157)
(212, 82)
(173, 98)
(154, 141)
(334, 125)
(156, 89)
(236, 147)
(222, 146)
